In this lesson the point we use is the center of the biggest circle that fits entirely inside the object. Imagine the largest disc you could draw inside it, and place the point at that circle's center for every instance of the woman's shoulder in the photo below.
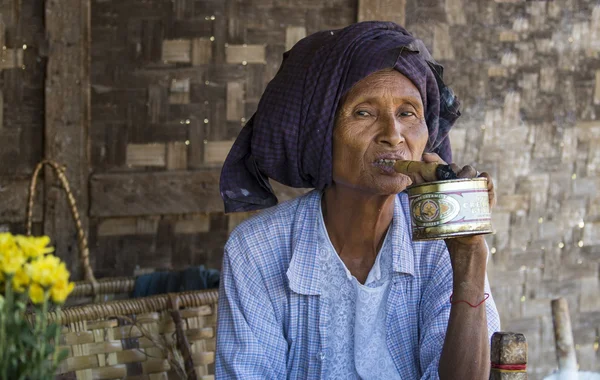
(272, 227)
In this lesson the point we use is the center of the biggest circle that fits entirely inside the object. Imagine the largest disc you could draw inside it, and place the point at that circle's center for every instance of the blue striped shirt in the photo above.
(271, 321)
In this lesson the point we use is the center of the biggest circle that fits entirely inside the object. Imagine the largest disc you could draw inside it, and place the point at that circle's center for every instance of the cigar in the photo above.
(430, 171)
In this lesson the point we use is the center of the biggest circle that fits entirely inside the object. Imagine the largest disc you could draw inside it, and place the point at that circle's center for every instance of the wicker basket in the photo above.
(170, 336)
(103, 345)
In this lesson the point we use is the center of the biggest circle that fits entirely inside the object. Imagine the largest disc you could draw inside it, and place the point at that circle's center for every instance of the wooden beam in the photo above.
(2, 109)
(67, 120)
(158, 193)
(563, 337)
(193, 224)
(508, 351)
(162, 193)
(14, 195)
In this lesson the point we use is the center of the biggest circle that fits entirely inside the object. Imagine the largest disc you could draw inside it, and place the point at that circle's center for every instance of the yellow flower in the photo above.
(61, 274)
(7, 241)
(36, 293)
(46, 270)
(11, 257)
(32, 246)
(11, 260)
(61, 290)
(20, 281)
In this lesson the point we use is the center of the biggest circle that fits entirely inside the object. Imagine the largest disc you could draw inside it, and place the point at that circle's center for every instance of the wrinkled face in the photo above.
(380, 121)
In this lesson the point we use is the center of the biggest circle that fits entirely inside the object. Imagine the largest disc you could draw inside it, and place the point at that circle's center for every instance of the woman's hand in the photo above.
(466, 243)
(464, 172)
(425, 171)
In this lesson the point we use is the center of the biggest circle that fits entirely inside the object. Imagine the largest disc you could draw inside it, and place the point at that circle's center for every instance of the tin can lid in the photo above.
(448, 185)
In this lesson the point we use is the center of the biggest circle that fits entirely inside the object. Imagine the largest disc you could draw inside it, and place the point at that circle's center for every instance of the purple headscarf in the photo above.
(289, 138)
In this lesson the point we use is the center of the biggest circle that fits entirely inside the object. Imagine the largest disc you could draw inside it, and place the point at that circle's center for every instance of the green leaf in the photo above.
(29, 339)
(62, 355)
(51, 330)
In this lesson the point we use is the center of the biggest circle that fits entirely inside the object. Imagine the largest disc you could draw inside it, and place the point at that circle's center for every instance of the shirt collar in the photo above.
(303, 273)
(403, 257)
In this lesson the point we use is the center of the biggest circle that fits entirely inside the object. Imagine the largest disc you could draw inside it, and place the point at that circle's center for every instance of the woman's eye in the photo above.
(407, 114)
(363, 113)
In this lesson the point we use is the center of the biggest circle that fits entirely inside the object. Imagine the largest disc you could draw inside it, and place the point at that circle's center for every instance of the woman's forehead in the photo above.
(388, 82)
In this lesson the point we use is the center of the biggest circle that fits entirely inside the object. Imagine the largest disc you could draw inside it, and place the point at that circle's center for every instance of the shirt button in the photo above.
(321, 355)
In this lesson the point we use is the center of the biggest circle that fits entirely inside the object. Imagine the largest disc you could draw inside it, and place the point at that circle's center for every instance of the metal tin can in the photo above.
(446, 209)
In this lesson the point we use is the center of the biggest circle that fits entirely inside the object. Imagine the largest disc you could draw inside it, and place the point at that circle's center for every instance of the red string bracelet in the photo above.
(486, 296)
(509, 367)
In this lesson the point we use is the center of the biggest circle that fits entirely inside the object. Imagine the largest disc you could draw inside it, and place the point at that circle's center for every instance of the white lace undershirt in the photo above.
(356, 338)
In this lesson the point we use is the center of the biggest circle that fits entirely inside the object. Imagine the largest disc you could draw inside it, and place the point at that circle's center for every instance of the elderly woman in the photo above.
(331, 285)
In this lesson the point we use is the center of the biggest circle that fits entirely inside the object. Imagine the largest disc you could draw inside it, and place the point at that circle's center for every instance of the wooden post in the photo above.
(563, 335)
(67, 108)
(509, 356)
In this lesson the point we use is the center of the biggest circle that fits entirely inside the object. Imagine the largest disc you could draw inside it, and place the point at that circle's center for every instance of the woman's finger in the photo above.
(415, 177)
(491, 189)
(455, 168)
(433, 157)
(467, 172)
(418, 179)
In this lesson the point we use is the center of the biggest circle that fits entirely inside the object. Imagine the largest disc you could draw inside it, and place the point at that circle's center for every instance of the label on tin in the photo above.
(434, 209)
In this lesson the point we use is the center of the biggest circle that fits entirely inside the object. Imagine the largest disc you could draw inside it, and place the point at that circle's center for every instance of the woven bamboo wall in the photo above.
(527, 72)
(173, 82)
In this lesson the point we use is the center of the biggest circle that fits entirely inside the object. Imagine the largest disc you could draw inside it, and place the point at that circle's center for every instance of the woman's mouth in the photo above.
(387, 165)
(385, 162)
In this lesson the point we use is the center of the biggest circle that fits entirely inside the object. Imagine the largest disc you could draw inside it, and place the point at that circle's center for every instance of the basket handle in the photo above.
(182, 343)
(84, 251)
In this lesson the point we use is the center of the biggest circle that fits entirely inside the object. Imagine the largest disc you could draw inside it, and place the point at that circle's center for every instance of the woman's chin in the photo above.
(394, 187)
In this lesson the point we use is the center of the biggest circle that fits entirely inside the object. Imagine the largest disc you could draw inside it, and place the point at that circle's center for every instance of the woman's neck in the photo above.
(357, 224)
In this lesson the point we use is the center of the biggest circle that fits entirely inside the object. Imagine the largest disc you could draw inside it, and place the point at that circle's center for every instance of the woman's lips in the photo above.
(386, 165)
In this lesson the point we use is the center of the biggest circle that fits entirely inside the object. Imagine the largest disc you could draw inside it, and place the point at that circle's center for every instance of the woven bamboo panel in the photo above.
(172, 63)
(385, 10)
(173, 82)
(530, 119)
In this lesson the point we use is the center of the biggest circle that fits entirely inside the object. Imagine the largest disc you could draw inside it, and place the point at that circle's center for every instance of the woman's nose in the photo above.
(391, 131)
